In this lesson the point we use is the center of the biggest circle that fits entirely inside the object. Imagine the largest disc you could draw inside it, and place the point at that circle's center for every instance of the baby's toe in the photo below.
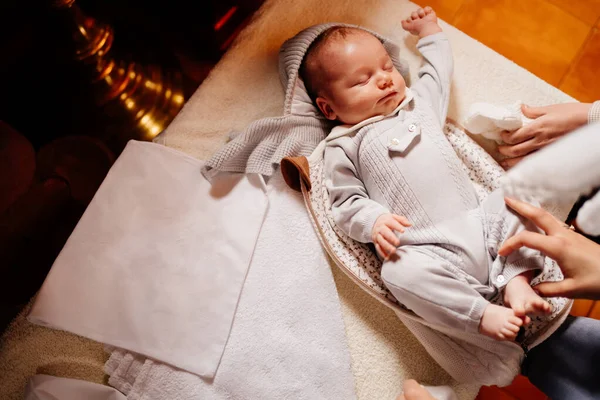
(509, 334)
(519, 309)
(516, 321)
(421, 12)
(512, 328)
(540, 306)
(428, 10)
(414, 15)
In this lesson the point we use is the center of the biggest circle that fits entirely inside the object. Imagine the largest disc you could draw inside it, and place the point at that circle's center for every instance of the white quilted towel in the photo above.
(287, 340)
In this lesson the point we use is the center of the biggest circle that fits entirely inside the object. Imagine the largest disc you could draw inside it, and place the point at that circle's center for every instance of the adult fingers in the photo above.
(510, 162)
(540, 217)
(564, 288)
(520, 135)
(519, 149)
(533, 112)
(402, 219)
(546, 244)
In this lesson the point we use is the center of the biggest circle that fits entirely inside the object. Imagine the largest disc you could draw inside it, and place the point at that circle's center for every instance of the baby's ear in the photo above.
(325, 108)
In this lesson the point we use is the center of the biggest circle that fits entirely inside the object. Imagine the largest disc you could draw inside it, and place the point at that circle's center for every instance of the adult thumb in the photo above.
(555, 289)
(532, 112)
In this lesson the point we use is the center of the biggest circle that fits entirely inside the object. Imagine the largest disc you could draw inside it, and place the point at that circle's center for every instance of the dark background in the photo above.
(44, 95)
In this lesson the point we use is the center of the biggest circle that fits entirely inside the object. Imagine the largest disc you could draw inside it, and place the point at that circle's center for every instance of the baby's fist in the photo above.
(383, 234)
(422, 22)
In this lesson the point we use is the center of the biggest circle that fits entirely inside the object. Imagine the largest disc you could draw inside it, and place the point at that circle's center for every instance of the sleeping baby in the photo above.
(387, 162)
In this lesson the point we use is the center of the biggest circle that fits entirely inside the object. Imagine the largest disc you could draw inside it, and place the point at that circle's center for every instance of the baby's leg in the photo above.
(519, 296)
(440, 293)
(434, 289)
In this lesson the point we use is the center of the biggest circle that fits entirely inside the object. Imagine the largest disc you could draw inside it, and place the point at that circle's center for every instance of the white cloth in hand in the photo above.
(490, 120)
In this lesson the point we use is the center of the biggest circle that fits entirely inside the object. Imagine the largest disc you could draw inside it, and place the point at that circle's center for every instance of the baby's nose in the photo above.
(385, 81)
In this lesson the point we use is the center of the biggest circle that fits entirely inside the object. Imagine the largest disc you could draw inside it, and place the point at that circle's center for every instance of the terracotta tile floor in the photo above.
(557, 40)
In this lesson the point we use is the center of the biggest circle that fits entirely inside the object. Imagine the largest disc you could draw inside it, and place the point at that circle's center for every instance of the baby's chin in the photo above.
(394, 103)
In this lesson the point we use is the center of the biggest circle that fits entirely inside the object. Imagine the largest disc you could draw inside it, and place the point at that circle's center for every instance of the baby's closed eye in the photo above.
(361, 81)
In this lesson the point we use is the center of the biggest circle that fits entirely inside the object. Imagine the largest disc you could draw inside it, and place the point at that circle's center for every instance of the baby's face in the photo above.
(362, 81)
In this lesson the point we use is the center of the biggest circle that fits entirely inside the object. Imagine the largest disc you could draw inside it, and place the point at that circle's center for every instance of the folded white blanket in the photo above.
(287, 339)
(157, 262)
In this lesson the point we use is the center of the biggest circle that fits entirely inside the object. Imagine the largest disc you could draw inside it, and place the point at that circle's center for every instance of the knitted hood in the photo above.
(260, 148)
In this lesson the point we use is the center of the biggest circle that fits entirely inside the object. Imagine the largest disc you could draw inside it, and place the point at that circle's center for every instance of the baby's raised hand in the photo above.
(422, 22)
(383, 234)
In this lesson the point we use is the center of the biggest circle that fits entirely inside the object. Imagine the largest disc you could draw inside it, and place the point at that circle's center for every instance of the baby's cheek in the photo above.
(352, 101)
(364, 104)
(399, 80)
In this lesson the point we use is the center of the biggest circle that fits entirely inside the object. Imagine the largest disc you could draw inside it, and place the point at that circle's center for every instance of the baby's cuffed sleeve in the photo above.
(436, 73)
(353, 211)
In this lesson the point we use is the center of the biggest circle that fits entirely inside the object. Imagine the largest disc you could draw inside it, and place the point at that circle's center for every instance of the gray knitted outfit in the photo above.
(448, 268)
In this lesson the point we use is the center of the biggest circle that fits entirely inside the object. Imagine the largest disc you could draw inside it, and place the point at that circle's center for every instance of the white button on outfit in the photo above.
(500, 279)
(395, 141)
(412, 127)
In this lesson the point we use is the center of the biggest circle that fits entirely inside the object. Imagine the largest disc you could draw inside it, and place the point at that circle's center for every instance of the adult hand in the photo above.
(549, 123)
(414, 391)
(383, 234)
(577, 256)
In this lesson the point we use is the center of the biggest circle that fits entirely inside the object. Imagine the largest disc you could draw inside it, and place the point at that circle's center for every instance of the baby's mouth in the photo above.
(388, 96)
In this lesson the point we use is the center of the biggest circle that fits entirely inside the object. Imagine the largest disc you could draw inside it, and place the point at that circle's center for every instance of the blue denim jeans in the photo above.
(567, 365)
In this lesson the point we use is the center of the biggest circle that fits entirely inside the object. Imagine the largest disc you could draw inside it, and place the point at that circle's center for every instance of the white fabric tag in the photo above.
(157, 263)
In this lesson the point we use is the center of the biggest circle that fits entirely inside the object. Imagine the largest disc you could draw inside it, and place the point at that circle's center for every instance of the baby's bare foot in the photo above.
(500, 323)
(422, 22)
(519, 296)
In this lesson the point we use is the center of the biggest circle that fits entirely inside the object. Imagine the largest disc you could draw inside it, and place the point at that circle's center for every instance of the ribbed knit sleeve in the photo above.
(353, 211)
(435, 75)
(262, 146)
